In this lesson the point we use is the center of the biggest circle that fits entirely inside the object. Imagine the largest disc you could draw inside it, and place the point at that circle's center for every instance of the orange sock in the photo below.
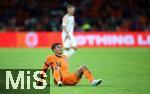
(88, 75)
(56, 75)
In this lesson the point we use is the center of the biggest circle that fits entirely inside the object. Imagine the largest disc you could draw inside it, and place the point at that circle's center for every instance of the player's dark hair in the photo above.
(70, 5)
(54, 45)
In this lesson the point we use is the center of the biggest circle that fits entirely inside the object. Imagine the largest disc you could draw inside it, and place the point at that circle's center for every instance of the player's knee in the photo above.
(80, 69)
(83, 67)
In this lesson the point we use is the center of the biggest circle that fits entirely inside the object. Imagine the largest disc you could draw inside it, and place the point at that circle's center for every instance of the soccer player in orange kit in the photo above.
(59, 65)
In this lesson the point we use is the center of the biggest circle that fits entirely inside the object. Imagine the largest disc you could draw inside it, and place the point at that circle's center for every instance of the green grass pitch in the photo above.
(123, 70)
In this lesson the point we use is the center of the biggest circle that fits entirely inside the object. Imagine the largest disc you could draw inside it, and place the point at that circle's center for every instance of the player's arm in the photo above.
(64, 24)
(43, 71)
(45, 67)
(56, 72)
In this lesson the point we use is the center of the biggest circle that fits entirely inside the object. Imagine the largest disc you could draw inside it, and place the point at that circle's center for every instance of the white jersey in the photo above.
(69, 22)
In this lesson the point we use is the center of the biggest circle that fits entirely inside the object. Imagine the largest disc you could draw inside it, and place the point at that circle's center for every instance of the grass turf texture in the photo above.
(123, 70)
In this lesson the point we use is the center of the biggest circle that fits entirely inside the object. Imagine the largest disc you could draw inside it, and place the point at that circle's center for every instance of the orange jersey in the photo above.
(62, 62)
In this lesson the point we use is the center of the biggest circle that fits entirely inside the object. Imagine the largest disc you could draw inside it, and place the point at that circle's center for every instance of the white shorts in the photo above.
(68, 43)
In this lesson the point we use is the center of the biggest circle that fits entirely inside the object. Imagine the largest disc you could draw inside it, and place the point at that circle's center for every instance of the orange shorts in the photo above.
(71, 79)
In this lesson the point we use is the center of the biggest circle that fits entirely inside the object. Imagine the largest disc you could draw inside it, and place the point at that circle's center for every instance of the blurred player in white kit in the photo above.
(68, 40)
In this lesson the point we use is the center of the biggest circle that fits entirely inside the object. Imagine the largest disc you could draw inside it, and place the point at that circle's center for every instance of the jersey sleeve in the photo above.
(48, 61)
(64, 21)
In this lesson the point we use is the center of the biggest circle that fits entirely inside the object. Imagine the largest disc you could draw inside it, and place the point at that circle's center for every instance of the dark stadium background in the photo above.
(100, 15)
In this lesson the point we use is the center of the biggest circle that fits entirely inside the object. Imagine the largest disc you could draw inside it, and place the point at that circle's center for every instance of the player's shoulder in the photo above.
(54, 56)
(50, 56)
(64, 56)
(65, 16)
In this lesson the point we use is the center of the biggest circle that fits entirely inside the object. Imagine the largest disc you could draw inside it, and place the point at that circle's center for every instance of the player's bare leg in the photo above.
(74, 48)
(72, 51)
(83, 70)
(66, 51)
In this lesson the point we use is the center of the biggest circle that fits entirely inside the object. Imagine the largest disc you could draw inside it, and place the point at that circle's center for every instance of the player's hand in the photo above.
(59, 84)
(39, 83)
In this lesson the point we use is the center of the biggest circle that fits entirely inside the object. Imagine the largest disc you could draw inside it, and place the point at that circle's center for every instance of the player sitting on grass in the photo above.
(59, 65)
